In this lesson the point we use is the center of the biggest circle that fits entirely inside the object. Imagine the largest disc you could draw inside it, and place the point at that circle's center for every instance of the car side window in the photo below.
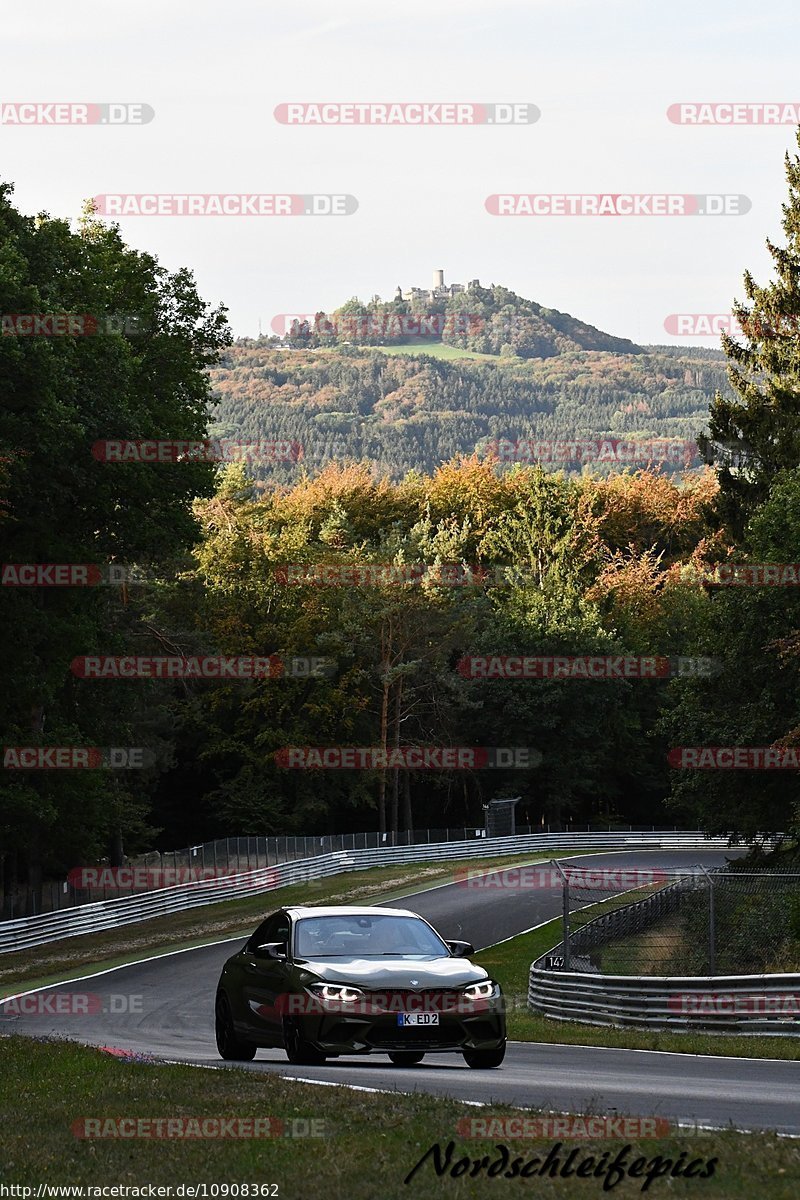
(282, 930)
(274, 929)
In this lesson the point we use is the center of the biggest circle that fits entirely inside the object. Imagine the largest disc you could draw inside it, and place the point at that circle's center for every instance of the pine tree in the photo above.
(757, 433)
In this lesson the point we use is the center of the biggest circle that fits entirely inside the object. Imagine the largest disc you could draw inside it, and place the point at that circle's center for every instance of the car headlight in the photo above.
(336, 991)
(481, 991)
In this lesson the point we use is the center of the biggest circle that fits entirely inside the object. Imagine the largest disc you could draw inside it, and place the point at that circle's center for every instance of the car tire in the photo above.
(230, 1047)
(483, 1059)
(299, 1051)
(406, 1058)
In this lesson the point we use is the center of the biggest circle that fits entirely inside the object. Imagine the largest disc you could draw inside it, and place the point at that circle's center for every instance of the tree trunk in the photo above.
(407, 818)
(116, 854)
(384, 746)
(34, 898)
(9, 884)
(33, 903)
(396, 770)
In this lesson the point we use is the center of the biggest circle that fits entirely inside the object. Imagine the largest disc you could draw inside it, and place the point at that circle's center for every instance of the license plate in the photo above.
(417, 1019)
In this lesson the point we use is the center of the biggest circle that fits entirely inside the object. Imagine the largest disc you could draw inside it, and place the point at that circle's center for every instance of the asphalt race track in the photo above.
(164, 1007)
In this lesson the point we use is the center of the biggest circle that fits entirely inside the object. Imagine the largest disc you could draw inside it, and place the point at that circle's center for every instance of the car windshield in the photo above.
(363, 936)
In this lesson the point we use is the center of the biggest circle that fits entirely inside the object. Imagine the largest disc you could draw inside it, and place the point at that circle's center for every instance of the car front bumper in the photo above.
(337, 1028)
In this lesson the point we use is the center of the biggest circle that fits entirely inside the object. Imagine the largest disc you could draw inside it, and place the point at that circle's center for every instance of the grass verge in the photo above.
(654, 951)
(370, 1146)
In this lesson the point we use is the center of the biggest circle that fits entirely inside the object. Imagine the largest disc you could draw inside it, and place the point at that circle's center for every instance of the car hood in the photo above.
(396, 972)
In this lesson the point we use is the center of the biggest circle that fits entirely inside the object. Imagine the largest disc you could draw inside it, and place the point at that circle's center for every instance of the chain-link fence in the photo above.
(690, 921)
(228, 856)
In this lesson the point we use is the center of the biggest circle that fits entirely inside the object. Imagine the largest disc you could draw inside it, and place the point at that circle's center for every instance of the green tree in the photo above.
(757, 431)
(141, 375)
(753, 700)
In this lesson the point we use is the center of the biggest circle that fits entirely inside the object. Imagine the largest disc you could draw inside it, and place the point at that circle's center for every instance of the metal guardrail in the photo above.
(722, 1003)
(234, 855)
(28, 932)
(753, 1004)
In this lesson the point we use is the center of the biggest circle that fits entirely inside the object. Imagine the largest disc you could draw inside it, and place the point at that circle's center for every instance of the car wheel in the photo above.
(484, 1058)
(299, 1051)
(406, 1058)
(229, 1046)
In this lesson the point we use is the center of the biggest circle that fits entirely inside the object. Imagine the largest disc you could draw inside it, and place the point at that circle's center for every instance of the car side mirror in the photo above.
(273, 950)
(460, 949)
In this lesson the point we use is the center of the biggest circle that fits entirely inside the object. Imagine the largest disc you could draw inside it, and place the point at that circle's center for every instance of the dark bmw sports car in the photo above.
(321, 982)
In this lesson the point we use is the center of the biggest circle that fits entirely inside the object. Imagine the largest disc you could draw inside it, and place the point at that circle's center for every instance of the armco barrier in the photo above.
(233, 855)
(110, 914)
(723, 1003)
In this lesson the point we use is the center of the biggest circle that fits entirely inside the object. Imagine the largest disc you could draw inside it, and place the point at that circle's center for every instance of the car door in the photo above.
(265, 979)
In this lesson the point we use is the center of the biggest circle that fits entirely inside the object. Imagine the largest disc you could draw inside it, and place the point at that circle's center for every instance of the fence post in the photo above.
(712, 932)
(564, 912)
(712, 926)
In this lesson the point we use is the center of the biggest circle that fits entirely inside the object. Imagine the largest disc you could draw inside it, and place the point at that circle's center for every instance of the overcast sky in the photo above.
(602, 74)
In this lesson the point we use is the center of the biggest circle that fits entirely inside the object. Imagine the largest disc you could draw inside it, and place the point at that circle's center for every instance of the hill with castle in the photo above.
(485, 320)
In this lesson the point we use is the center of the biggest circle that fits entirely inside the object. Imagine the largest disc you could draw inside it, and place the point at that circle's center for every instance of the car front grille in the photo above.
(396, 1000)
(419, 1037)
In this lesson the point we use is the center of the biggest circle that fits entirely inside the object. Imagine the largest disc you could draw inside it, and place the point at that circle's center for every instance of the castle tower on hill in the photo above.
(439, 291)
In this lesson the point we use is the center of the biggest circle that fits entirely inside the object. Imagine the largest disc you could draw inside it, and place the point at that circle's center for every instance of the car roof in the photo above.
(348, 910)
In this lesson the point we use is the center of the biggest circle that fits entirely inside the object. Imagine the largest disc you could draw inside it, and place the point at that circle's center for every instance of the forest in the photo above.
(395, 560)
(413, 411)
